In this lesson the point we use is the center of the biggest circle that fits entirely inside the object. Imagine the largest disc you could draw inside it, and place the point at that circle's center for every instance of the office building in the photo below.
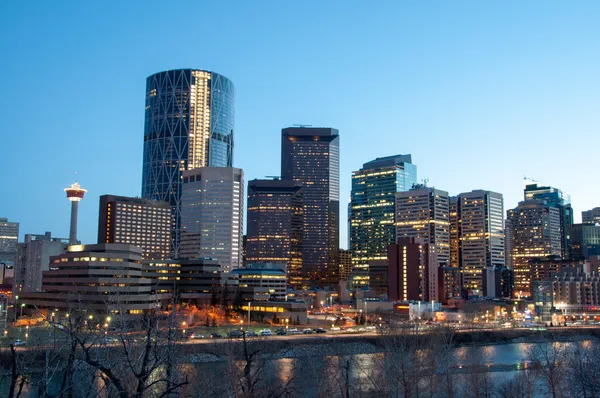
(535, 232)
(33, 258)
(454, 232)
(543, 268)
(140, 222)
(212, 215)
(591, 216)
(345, 261)
(107, 278)
(412, 264)
(189, 124)
(262, 281)
(424, 213)
(480, 233)
(274, 225)
(9, 236)
(585, 240)
(373, 205)
(508, 239)
(378, 277)
(310, 157)
(557, 198)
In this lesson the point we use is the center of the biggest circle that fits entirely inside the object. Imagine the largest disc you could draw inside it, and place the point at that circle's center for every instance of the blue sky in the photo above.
(480, 93)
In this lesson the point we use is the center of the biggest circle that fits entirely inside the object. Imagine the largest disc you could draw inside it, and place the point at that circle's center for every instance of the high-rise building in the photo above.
(508, 239)
(189, 124)
(535, 232)
(274, 225)
(454, 232)
(480, 223)
(557, 198)
(33, 257)
(373, 206)
(212, 215)
(140, 222)
(345, 261)
(310, 156)
(424, 213)
(9, 236)
(591, 216)
(411, 263)
(585, 240)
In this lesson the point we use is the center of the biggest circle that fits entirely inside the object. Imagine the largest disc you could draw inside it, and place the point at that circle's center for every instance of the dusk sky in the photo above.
(480, 93)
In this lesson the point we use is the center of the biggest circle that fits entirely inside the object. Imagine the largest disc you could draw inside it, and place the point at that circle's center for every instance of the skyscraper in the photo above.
(144, 223)
(535, 232)
(591, 216)
(310, 156)
(585, 240)
(189, 124)
(424, 213)
(480, 238)
(373, 205)
(212, 215)
(274, 231)
(9, 236)
(557, 198)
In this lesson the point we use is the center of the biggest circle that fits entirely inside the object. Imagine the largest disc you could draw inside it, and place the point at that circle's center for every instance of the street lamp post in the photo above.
(249, 305)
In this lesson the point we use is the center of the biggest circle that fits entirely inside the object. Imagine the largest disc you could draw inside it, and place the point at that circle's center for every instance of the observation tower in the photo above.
(74, 194)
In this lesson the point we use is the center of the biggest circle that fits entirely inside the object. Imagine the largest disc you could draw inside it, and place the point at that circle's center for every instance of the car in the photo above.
(294, 331)
(109, 340)
(280, 332)
(251, 333)
(18, 343)
(307, 331)
(351, 330)
(362, 329)
(335, 329)
(190, 335)
(216, 336)
(370, 328)
(236, 334)
(320, 330)
(266, 332)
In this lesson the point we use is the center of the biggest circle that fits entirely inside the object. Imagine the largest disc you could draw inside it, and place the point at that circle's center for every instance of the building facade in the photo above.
(107, 278)
(585, 240)
(411, 263)
(140, 222)
(591, 216)
(212, 215)
(189, 123)
(373, 205)
(425, 213)
(310, 157)
(262, 281)
(33, 258)
(275, 219)
(345, 261)
(9, 237)
(480, 232)
(557, 198)
(535, 232)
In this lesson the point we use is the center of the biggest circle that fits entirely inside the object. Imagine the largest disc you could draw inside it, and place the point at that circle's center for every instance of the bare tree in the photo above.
(550, 359)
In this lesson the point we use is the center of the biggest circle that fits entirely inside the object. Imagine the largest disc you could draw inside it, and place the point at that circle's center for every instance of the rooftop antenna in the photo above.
(302, 125)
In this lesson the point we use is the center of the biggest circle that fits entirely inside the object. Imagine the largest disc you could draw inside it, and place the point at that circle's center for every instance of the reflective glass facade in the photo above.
(373, 205)
(189, 124)
(275, 220)
(310, 156)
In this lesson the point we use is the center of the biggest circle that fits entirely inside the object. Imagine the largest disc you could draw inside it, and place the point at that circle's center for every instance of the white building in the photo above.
(212, 215)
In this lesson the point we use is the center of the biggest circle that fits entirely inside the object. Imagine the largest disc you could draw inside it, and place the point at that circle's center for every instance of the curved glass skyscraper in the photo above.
(189, 124)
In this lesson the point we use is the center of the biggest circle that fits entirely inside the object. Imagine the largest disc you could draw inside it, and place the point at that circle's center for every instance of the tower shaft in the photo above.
(73, 229)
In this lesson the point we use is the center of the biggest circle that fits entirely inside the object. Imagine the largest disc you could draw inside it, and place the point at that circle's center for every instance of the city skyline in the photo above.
(520, 90)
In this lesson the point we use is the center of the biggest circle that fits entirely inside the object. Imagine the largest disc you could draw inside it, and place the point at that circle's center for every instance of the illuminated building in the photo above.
(557, 198)
(274, 225)
(33, 258)
(106, 277)
(591, 216)
(262, 281)
(310, 156)
(543, 268)
(535, 232)
(212, 215)
(411, 263)
(585, 240)
(140, 222)
(9, 236)
(480, 234)
(345, 259)
(373, 204)
(189, 123)
(424, 213)
(454, 232)
(75, 194)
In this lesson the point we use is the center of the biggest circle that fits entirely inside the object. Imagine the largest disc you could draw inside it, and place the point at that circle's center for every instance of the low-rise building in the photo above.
(262, 281)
